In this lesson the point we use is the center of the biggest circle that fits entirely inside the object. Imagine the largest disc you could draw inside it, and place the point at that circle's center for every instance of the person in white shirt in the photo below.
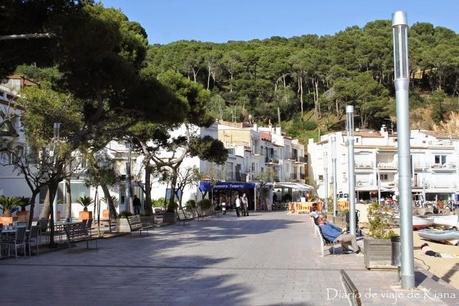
(245, 205)
(238, 205)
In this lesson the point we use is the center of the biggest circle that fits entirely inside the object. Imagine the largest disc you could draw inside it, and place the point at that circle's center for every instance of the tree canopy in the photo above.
(318, 74)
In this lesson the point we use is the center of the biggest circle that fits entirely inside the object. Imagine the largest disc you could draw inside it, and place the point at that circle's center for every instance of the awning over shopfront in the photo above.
(234, 185)
(207, 186)
(294, 186)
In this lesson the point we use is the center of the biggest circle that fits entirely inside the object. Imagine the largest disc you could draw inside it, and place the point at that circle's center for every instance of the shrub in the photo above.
(205, 204)
(379, 218)
(191, 204)
(158, 202)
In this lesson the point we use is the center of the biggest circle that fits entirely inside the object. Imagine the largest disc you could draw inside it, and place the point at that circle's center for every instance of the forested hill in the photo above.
(311, 78)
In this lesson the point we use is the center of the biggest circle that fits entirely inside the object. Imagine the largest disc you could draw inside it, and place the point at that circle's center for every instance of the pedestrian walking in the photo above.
(136, 204)
(245, 205)
(223, 208)
(238, 205)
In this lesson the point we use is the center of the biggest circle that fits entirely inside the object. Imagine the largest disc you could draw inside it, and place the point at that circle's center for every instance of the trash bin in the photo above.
(395, 241)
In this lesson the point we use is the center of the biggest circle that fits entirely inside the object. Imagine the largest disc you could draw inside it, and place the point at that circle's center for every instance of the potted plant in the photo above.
(204, 205)
(377, 246)
(85, 202)
(8, 204)
(23, 214)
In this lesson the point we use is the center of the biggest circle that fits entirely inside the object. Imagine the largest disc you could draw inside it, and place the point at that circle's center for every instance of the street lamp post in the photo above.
(350, 156)
(56, 134)
(326, 181)
(401, 82)
(379, 185)
(335, 177)
(129, 203)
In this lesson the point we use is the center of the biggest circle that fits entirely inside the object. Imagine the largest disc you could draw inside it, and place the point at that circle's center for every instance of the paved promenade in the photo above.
(264, 259)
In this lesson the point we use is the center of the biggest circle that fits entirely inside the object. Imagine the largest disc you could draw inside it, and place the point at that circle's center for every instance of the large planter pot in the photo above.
(169, 217)
(122, 225)
(6, 220)
(85, 215)
(378, 253)
(105, 214)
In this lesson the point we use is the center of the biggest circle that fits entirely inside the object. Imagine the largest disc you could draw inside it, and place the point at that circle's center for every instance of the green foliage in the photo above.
(8, 203)
(158, 202)
(204, 204)
(85, 201)
(380, 220)
(209, 149)
(191, 204)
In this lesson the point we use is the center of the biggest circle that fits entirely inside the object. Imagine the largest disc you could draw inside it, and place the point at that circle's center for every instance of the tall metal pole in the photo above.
(326, 181)
(350, 167)
(379, 185)
(335, 177)
(401, 82)
(56, 134)
(129, 182)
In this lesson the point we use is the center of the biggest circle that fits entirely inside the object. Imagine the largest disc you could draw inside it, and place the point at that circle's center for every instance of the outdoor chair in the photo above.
(16, 240)
(33, 237)
(42, 229)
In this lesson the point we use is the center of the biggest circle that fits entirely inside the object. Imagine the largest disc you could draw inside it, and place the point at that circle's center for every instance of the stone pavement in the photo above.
(264, 259)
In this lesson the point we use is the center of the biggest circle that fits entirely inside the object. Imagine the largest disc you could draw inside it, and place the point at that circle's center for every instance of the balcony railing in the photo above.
(443, 167)
(364, 165)
(387, 165)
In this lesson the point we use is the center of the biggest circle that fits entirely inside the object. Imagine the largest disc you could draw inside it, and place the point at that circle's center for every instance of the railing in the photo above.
(364, 165)
(390, 165)
(440, 167)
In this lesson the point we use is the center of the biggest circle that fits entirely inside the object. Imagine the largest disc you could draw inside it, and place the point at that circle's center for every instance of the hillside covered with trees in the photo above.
(311, 78)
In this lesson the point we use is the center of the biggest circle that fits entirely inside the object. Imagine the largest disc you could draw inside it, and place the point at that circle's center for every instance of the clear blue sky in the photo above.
(222, 20)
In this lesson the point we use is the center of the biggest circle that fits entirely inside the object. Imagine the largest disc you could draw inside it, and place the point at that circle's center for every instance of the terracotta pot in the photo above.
(6, 220)
(105, 214)
(85, 215)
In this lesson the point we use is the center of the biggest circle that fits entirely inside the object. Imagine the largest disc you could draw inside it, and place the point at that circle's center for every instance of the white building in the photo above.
(255, 154)
(435, 164)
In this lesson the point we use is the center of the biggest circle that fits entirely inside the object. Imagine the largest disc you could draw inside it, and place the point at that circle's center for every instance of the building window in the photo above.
(321, 177)
(440, 159)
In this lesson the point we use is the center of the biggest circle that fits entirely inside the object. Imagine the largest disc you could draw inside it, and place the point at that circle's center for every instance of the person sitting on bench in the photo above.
(333, 233)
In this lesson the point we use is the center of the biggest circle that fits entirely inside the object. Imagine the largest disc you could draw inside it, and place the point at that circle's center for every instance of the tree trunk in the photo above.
(208, 76)
(44, 214)
(147, 206)
(171, 206)
(32, 206)
(300, 88)
(52, 194)
(231, 81)
(195, 74)
(108, 197)
(316, 98)
(68, 199)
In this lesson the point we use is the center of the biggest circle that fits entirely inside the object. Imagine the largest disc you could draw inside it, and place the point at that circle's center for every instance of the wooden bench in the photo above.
(135, 224)
(183, 217)
(77, 232)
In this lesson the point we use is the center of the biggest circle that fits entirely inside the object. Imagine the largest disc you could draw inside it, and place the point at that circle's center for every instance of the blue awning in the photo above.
(205, 186)
(234, 185)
